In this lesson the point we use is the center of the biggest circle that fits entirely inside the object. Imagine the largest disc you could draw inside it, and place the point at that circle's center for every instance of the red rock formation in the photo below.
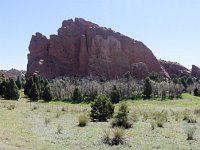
(174, 68)
(195, 71)
(13, 73)
(82, 48)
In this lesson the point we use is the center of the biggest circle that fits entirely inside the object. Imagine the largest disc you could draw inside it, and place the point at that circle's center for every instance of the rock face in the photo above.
(174, 68)
(195, 71)
(82, 48)
(13, 73)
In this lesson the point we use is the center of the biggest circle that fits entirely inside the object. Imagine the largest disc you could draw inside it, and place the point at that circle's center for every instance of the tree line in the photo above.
(76, 90)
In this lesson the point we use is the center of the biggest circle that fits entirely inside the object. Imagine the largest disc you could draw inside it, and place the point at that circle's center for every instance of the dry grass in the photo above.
(22, 128)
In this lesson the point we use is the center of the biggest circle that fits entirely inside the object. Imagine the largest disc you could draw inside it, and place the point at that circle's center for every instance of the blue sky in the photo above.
(170, 28)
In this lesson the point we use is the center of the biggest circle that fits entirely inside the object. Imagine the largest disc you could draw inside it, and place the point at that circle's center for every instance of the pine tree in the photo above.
(147, 89)
(121, 118)
(3, 87)
(11, 91)
(47, 94)
(101, 109)
(196, 92)
(114, 96)
(76, 97)
(19, 83)
(28, 85)
(34, 93)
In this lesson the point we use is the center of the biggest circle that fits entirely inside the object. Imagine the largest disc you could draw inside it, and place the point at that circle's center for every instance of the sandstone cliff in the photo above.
(195, 71)
(174, 68)
(82, 48)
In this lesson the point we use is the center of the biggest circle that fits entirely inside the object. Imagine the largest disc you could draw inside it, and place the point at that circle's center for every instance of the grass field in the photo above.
(25, 125)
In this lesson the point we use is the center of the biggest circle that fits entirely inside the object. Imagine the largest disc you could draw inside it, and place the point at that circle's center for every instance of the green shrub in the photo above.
(147, 89)
(121, 118)
(76, 97)
(101, 109)
(34, 93)
(114, 95)
(47, 94)
(83, 120)
(10, 91)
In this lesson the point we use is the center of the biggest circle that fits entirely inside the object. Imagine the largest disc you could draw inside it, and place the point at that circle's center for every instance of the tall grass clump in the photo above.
(83, 120)
(160, 118)
(190, 133)
(117, 137)
(59, 129)
(47, 121)
(11, 107)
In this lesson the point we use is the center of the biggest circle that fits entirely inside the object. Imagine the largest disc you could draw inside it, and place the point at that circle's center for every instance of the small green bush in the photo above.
(83, 120)
(76, 97)
(114, 95)
(121, 118)
(101, 109)
(47, 94)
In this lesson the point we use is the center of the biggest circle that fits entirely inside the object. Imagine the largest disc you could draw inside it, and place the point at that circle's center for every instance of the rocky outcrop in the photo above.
(195, 71)
(13, 73)
(174, 68)
(82, 48)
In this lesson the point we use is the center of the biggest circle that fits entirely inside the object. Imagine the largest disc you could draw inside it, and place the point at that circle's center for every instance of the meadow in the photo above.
(28, 125)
